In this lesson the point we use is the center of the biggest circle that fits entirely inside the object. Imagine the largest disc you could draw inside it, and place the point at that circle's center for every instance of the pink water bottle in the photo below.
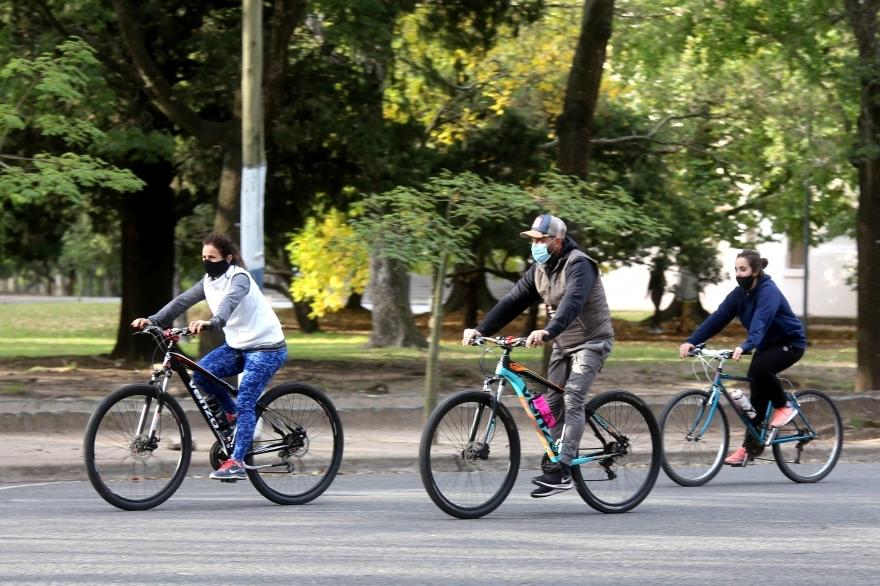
(543, 408)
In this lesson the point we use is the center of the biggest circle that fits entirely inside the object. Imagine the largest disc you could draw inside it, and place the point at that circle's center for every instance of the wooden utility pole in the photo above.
(253, 173)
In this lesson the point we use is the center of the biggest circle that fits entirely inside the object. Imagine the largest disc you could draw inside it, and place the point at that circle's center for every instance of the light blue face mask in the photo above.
(540, 254)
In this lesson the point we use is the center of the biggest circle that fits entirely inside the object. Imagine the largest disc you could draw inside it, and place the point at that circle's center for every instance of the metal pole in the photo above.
(253, 173)
(807, 197)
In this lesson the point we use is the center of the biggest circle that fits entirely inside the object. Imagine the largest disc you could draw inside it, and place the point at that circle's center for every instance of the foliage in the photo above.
(47, 93)
(329, 262)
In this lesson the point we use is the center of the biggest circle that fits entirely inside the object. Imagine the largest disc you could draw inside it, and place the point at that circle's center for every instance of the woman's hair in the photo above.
(226, 246)
(753, 257)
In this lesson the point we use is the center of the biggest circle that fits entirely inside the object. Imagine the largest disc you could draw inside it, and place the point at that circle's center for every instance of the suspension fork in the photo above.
(160, 387)
(478, 416)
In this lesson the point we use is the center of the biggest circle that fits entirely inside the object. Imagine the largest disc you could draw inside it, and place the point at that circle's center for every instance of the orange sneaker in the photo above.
(783, 416)
(737, 458)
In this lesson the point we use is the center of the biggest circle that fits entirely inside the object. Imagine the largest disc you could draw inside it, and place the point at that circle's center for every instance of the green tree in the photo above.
(437, 224)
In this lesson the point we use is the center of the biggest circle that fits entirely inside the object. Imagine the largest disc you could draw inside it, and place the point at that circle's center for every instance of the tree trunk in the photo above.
(147, 224)
(354, 301)
(863, 18)
(228, 196)
(393, 323)
(470, 293)
(531, 319)
(575, 125)
(432, 370)
(307, 324)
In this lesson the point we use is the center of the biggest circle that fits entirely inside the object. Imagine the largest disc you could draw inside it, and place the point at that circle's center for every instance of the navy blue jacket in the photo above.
(764, 312)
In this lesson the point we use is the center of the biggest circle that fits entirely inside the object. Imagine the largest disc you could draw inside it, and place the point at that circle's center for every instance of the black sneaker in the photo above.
(230, 470)
(554, 480)
(543, 491)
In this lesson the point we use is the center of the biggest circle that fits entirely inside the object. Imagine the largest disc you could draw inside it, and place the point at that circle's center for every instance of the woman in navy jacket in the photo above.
(775, 334)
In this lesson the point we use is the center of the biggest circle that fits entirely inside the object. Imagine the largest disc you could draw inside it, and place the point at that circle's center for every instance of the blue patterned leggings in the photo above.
(257, 370)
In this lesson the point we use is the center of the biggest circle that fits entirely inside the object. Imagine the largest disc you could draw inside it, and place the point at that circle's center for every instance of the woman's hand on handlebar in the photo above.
(684, 349)
(196, 326)
(737, 353)
(469, 336)
(140, 322)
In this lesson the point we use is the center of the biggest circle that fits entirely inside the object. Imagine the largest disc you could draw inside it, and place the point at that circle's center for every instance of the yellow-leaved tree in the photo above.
(329, 263)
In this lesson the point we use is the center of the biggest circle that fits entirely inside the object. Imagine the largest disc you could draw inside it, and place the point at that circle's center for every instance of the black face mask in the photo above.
(215, 269)
(745, 282)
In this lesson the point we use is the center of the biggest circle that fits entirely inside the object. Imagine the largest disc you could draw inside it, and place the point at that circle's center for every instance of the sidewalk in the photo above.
(42, 438)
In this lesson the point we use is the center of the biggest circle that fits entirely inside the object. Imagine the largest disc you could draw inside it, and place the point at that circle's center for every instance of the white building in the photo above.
(830, 264)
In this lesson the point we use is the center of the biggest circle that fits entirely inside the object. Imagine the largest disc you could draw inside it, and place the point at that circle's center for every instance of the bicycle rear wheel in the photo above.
(125, 467)
(297, 447)
(810, 460)
(633, 458)
(464, 475)
(693, 446)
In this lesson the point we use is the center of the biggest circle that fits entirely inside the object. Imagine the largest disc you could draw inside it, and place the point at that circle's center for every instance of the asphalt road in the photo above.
(746, 527)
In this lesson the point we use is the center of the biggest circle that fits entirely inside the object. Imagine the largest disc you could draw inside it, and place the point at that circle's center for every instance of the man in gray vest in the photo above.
(568, 282)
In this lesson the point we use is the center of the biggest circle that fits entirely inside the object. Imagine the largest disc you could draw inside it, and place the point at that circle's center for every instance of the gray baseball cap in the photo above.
(544, 226)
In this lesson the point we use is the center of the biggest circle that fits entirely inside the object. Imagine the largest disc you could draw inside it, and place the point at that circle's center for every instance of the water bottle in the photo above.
(217, 411)
(743, 403)
(543, 408)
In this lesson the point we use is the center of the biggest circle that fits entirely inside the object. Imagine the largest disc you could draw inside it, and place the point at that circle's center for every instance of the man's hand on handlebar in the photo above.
(469, 336)
(684, 349)
(536, 339)
(737, 353)
(140, 322)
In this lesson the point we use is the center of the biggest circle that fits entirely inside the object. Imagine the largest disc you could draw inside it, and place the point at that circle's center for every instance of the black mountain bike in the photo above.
(138, 442)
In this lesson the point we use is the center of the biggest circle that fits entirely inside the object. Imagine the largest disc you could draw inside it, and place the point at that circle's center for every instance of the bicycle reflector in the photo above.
(167, 335)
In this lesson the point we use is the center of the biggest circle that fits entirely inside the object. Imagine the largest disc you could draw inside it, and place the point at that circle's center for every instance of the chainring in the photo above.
(217, 457)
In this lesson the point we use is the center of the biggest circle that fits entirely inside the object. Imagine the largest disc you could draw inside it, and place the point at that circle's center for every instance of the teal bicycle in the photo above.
(469, 454)
(696, 433)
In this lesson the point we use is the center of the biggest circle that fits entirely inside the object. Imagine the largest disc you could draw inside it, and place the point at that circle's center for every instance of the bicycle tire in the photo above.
(636, 471)
(823, 452)
(302, 472)
(462, 479)
(127, 474)
(685, 461)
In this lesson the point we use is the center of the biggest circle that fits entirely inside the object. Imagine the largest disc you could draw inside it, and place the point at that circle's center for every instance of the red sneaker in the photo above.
(783, 416)
(737, 458)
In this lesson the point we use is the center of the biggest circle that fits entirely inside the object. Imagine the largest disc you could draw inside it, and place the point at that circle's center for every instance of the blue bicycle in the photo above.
(469, 453)
(695, 430)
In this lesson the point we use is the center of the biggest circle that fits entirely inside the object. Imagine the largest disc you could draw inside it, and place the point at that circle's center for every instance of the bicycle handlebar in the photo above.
(169, 334)
(503, 341)
(701, 350)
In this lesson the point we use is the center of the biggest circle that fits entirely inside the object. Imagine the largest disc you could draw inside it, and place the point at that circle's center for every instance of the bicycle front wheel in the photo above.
(468, 455)
(810, 460)
(127, 467)
(694, 445)
(297, 446)
(625, 430)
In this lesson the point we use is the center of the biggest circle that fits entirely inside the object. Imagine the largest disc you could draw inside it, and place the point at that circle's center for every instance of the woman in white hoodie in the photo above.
(254, 347)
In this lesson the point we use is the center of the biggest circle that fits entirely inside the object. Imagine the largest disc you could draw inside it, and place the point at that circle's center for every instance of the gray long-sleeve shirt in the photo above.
(239, 287)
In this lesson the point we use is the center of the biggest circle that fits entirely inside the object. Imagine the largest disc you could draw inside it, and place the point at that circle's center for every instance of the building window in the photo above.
(796, 256)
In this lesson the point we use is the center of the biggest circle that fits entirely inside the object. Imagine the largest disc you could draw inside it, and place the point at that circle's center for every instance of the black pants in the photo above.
(764, 368)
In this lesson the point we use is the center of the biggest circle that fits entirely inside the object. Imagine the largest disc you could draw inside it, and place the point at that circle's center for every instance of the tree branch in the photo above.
(771, 189)
(160, 91)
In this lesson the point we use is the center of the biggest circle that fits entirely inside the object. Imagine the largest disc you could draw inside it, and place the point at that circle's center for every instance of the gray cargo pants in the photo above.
(573, 369)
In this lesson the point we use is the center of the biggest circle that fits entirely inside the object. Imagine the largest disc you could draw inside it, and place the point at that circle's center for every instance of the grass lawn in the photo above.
(57, 329)
(65, 329)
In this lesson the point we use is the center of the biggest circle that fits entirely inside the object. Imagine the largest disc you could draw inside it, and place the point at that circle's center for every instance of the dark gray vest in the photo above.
(594, 320)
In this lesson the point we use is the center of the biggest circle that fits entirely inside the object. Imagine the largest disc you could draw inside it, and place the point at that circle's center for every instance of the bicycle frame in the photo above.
(768, 438)
(177, 362)
(513, 372)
